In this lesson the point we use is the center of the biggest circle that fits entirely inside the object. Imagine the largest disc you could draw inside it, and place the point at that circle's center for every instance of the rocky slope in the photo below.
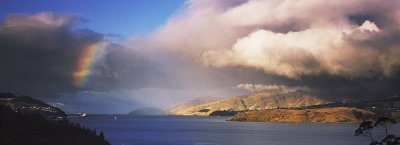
(258, 101)
(323, 115)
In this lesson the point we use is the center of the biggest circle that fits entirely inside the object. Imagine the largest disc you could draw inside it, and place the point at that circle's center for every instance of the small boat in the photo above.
(82, 114)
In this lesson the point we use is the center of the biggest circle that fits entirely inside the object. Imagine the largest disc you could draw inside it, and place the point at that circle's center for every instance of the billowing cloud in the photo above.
(287, 37)
(310, 52)
(270, 88)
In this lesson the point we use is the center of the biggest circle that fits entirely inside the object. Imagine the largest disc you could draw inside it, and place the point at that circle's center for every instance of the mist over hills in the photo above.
(147, 111)
(191, 103)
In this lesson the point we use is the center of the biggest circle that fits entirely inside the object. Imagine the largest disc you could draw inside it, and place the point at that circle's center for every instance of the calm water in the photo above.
(180, 130)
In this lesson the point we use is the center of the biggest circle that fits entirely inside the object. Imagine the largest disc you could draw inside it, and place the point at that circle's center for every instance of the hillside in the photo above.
(28, 104)
(19, 128)
(258, 101)
(323, 115)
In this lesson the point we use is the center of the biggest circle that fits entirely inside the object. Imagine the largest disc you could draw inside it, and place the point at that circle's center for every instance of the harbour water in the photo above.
(184, 130)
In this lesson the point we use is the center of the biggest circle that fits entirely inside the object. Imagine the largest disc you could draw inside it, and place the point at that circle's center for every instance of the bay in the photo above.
(194, 130)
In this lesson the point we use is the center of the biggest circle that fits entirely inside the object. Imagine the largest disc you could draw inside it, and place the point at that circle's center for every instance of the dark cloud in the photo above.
(39, 53)
(339, 87)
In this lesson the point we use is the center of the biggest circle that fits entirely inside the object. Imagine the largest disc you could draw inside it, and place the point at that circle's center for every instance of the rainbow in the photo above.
(86, 61)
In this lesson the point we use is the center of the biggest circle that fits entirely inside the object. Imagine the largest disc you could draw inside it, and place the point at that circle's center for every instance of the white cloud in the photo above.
(42, 20)
(57, 104)
(369, 26)
(290, 54)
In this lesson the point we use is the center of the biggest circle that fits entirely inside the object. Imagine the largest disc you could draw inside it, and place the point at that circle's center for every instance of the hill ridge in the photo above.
(258, 101)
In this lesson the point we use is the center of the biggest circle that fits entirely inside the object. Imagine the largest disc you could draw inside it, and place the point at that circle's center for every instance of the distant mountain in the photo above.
(7, 95)
(259, 101)
(322, 115)
(191, 103)
(26, 104)
(147, 111)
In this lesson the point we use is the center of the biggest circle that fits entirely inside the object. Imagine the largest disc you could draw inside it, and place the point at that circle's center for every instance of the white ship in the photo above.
(82, 114)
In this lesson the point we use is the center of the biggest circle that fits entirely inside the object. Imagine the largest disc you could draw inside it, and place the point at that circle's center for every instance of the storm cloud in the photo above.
(39, 51)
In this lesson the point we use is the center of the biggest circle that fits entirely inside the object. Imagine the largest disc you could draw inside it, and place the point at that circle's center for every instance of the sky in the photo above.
(113, 57)
(122, 18)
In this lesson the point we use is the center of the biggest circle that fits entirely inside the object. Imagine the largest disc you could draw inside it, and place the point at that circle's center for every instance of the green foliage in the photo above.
(365, 130)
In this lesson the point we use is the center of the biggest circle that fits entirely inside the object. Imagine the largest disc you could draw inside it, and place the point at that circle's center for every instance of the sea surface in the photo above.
(189, 130)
